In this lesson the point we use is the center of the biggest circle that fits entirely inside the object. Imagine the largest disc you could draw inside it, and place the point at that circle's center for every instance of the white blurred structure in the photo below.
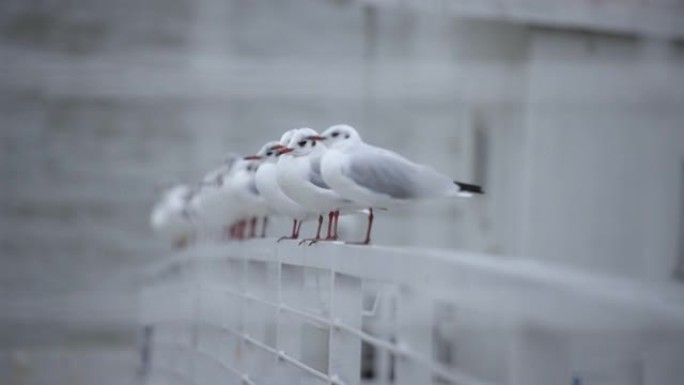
(261, 313)
(171, 218)
(568, 112)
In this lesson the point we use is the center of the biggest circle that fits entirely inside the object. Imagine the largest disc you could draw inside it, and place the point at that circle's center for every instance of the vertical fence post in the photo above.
(289, 333)
(345, 349)
(414, 335)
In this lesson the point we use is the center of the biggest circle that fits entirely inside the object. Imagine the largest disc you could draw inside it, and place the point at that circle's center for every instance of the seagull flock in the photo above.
(304, 176)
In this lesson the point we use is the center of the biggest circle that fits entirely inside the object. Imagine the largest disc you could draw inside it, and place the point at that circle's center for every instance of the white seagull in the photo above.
(268, 187)
(379, 178)
(170, 217)
(213, 205)
(298, 175)
(250, 205)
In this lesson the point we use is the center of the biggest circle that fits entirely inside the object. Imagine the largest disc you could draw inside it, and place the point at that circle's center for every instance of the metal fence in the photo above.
(264, 313)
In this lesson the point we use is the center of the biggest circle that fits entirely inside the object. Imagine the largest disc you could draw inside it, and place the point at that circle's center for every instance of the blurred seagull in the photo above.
(250, 204)
(379, 178)
(170, 217)
(268, 187)
(298, 175)
(213, 205)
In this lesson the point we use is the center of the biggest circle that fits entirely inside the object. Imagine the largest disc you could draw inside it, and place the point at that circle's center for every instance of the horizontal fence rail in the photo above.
(258, 312)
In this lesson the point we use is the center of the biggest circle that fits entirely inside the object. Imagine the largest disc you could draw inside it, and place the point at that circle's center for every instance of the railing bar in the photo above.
(394, 348)
(247, 296)
(306, 368)
(224, 328)
(308, 315)
(254, 298)
(458, 378)
(441, 372)
(391, 347)
(568, 282)
(271, 350)
(261, 345)
(290, 360)
(175, 345)
(378, 342)
(287, 358)
(285, 307)
(236, 372)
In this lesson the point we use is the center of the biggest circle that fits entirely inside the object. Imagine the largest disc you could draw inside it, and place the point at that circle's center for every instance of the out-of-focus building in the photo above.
(570, 113)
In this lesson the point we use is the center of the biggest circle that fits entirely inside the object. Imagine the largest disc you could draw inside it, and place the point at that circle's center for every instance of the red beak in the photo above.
(252, 157)
(316, 137)
(284, 150)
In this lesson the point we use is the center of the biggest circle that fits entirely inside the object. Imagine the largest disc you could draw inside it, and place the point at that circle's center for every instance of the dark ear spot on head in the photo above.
(313, 144)
(346, 136)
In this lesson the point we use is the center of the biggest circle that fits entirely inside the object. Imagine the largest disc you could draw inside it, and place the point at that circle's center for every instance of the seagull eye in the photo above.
(269, 153)
(335, 134)
(313, 144)
(302, 143)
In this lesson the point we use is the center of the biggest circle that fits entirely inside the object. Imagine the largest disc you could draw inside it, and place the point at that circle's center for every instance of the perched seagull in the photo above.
(170, 217)
(250, 205)
(268, 187)
(379, 178)
(213, 205)
(298, 173)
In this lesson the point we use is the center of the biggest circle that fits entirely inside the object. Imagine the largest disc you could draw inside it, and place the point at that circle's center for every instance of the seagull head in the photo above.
(217, 176)
(164, 186)
(301, 143)
(229, 159)
(177, 192)
(247, 164)
(285, 139)
(267, 153)
(340, 135)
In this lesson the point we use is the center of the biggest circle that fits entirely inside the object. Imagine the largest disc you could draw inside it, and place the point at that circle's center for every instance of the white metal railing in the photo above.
(264, 313)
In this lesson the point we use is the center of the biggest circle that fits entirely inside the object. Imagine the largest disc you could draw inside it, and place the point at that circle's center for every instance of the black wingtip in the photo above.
(470, 188)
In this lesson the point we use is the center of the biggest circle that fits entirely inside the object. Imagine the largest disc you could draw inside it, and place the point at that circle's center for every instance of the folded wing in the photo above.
(387, 173)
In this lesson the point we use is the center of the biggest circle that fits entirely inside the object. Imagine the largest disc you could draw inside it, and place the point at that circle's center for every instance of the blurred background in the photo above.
(570, 113)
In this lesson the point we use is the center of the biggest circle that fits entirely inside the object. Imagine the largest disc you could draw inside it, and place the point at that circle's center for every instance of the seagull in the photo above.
(169, 218)
(268, 187)
(213, 204)
(250, 204)
(298, 175)
(380, 178)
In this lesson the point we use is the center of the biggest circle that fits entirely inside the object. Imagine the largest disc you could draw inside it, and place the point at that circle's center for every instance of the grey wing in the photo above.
(384, 174)
(315, 176)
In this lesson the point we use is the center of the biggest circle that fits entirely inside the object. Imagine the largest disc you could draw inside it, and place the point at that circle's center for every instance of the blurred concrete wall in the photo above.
(576, 136)
(605, 119)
